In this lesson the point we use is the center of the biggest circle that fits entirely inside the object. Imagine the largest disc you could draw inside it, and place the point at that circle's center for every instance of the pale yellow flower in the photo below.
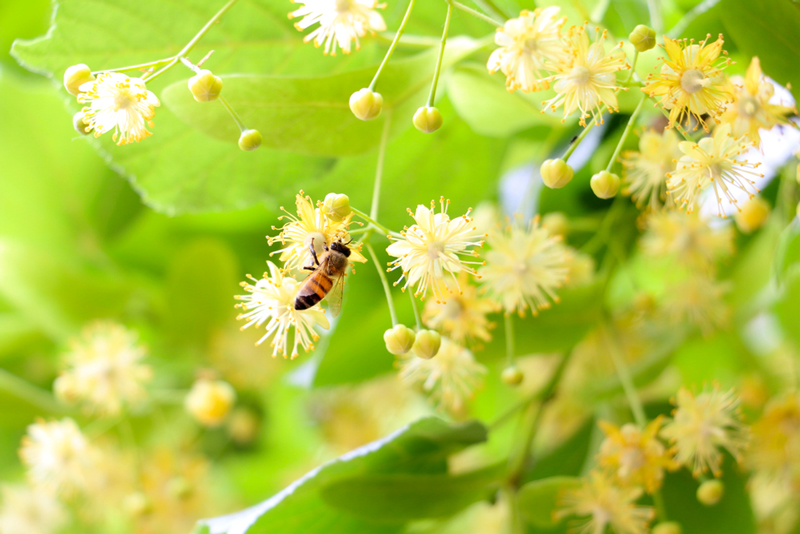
(587, 78)
(751, 109)
(210, 401)
(27, 511)
(713, 162)
(528, 45)
(645, 172)
(702, 426)
(691, 82)
(118, 103)
(776, 439)
(463, 317)
(698, 301)
(688, 238)
(341, 22)
(271, 300)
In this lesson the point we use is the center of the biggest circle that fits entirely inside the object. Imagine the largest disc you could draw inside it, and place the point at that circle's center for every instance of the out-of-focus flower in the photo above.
(311, 226)
(528, 45)
(271, 301)
(645, 172)
(118, 103)
(635, 457)
(27, 511)
(691, 82)
(702, 426)
(586, 79)
(751, 109)
(688, 238)
(210, 401)
(524, 267)
(105, 369)
(604, 505)
(775, 448)
(712, 162)
(450, 378)
(697, 301)
(463, 317)
(341, 22)
(753, 214)
(429, 251)
(775, 503)
(582, 268)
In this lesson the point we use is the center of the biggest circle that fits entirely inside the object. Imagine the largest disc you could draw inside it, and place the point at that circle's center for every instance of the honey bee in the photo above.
(328, 271)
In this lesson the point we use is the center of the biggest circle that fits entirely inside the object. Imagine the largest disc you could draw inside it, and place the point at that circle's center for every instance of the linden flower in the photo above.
(691, 82)
(698, 301)
(751, 110)
(27, 511)
(702, 425)
(645, 172)
(340, 22)
(309, 226)
(712, 161)
(429, 250)
(633, 456)
(586, 79)
(776, 439)
(271, 301)
(527, 45)
(105, 369)
(606, 506)
(119, 103)
(687, 237)
(463, 316)
(524, 267)
(59, 457)
(450, 378)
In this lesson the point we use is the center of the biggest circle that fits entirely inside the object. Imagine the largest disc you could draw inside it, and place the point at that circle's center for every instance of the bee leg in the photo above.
(309, 268)
(313, 253)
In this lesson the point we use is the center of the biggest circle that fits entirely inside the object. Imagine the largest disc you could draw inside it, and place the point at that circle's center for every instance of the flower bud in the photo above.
(512, 375)
(399, 340)
(669, 527)
(604, 184)
(209, 401)
(753, 215)
(643, 38)
(79, 124)
(365, 104)
(556, 223)
(336, 206)
(205, 86)
(556, 173)
(427, 344)
(710, 492)
(427, 120)
(243, 426)
(75, 76)
(250, 140)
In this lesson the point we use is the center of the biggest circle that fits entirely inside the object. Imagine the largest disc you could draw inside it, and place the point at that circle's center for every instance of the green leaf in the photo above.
(420, 447)
(567, 459)
(787, 307)
(538, 499)
(787, 252)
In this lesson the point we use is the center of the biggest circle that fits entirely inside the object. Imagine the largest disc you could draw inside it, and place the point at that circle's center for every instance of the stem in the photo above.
(189, 65)
(625, 133)
(678, 127)
(633, 67)
(438, 70)
(510, 349)
(416, 312)
(21, 388)
(392, 46)
(515, 522)
(658, 501)
(624, 376)
(233, 113)
(585, 131)
(376, 188)
(385, 282)
(491, 8)
(372, 221)
(136, 67)
(462, 7)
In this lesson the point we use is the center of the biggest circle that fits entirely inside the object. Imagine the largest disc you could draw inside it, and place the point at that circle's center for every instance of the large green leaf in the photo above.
(539, 498)
(420, 447)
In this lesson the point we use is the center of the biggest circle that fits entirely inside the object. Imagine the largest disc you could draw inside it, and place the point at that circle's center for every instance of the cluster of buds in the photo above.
(401, 339)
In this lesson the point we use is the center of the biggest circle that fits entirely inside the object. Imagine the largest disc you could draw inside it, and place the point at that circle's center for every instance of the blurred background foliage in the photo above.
(158, 235)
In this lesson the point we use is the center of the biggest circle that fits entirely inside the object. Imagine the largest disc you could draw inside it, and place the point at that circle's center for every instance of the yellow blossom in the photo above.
(698, 301)
(463, 317)
(27, 511)
(341, 22)
(776, 439)
(645, 172)
(688, 238)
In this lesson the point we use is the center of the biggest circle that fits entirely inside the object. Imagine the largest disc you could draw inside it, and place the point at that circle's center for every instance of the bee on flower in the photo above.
(688, 238)
(691, 82)
(645, 172)
(116, 102)
(528, 44)
(341, 22)
(586, 79)
(524, 267)
(429, 252)
(702, 425)
(271, 301)
(463, 317)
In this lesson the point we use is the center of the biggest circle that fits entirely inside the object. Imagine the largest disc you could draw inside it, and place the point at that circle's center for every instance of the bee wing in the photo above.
(335, 296)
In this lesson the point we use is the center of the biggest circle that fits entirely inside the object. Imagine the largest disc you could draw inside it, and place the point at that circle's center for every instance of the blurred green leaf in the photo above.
(539, 498)
(567, 459)
(787, 306)
(787, 251)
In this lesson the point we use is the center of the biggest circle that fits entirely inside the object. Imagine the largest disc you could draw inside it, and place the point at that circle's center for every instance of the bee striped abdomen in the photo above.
(314, 290)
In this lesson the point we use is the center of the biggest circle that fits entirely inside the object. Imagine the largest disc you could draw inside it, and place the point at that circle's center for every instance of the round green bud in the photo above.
(399, 339)
(669, 527)
(79, 124)
(75, 76)
(366, 104)
(556, 223)
(336, 206)
(427, 344)
(205, 86)
(512, 375)
(710, 492)
(243, 426)
(250, 140)
(753, 214)
(643, 38)
(556, 173)
(427, 120)
(604, 184)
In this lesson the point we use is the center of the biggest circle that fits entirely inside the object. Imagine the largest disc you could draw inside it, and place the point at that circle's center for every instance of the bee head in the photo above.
(340, 247)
